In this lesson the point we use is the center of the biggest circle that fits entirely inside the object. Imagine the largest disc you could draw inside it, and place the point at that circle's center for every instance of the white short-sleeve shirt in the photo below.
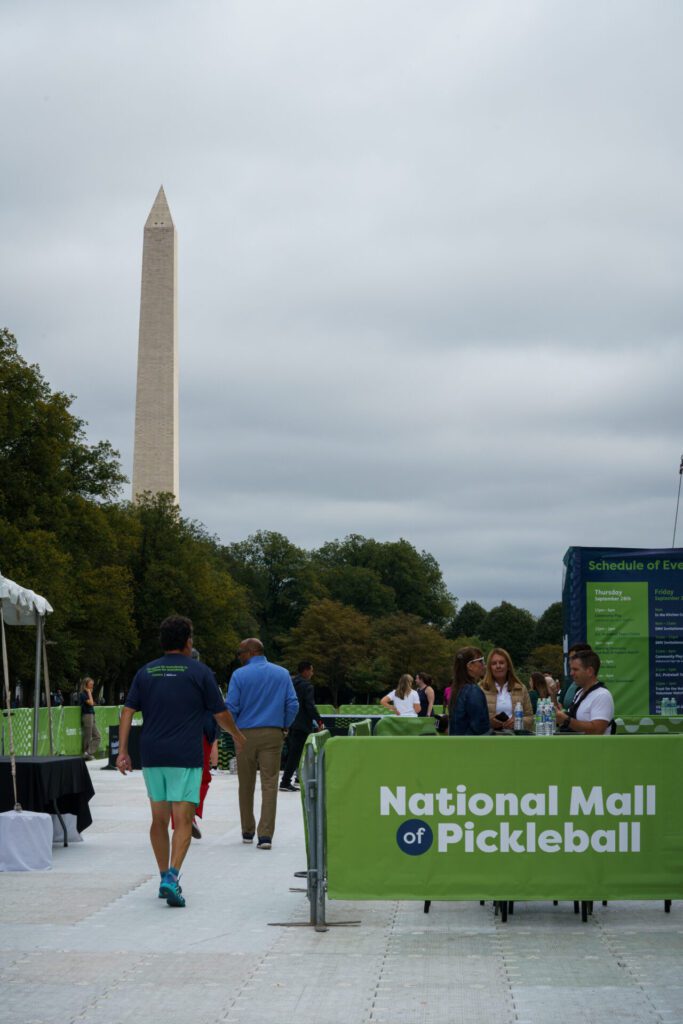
(598, 706)
(405, 705)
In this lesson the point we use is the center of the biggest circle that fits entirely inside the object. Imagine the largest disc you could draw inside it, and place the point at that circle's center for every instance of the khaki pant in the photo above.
(262, 751)
(91, 735)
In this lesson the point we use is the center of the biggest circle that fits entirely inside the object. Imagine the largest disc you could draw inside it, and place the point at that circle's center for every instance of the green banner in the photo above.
(617, 625)
(505, 818)
(362, 728)
(71, 740)
(638, 726)
(399, 725)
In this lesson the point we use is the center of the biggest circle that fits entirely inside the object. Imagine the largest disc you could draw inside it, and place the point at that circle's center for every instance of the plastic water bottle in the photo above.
(665, 707)
(538, 720)
(553, 718)
(546, 718)
(519, 717)
(674, 707)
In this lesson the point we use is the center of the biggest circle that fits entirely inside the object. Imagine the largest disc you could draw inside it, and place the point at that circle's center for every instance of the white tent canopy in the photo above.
(21, 607)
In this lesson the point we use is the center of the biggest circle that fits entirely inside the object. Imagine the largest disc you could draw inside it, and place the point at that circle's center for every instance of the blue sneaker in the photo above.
(162, 895)
(171, 891)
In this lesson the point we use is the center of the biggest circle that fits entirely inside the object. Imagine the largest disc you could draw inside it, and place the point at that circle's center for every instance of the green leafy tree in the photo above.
(45, 461)
(403, 643)
(54, 519)
(468, 621)
(485, 646)
(279, 578)
(359, 587)
(104, 631)
(546, 658)
(414, 577)
(511, 628)
(335, 638)
(549, 627)
(179, 569)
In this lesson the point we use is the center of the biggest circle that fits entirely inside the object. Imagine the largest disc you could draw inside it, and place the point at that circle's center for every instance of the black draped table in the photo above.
(50, 785)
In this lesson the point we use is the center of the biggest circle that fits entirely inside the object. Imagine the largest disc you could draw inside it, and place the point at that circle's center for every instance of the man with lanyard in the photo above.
(592, 710)
(264, 704)
(568, 691)
(173, 693)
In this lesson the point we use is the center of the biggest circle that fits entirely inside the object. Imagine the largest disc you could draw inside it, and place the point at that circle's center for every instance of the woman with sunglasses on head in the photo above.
(503, 690)
(467, 709)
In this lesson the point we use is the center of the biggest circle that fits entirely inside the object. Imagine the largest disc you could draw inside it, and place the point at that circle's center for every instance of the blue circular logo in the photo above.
(414, 837)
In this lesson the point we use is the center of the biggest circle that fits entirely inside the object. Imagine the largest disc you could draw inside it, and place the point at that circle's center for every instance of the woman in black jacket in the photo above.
(468, 713)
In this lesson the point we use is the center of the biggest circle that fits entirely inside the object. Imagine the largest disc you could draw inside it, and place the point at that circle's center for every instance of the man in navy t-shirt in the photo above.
(173, 693)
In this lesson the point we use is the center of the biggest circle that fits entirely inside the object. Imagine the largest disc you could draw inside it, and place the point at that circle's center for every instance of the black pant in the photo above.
(295, 744)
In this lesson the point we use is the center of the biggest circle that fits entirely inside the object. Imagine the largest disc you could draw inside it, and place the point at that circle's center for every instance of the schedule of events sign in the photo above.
(628, 604)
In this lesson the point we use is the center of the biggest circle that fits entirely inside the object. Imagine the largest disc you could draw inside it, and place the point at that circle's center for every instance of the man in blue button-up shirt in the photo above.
(263, 702)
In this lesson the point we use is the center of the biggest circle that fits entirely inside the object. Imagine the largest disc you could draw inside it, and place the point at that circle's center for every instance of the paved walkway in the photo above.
(90, 942)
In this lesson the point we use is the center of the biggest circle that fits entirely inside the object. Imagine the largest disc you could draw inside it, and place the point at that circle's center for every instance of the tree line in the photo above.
(362, 610)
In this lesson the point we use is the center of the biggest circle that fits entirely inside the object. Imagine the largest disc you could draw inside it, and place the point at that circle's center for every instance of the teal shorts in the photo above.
(173, 784)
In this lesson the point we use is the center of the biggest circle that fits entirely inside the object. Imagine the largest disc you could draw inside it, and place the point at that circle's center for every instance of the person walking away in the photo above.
(264, 704)
(90, 732)
(173, 693)
(307, 720)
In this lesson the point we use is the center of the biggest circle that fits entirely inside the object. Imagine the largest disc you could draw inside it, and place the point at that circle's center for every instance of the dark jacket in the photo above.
(308, 712)
(470, 715)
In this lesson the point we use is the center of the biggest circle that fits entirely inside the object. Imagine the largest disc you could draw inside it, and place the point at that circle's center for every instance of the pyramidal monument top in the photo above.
(160, 215)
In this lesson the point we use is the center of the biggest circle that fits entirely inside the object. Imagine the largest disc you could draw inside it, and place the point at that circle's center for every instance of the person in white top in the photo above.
(404, 700)
(592, 710)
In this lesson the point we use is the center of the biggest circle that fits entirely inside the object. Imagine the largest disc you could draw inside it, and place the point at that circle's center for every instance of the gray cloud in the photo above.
(429, 261)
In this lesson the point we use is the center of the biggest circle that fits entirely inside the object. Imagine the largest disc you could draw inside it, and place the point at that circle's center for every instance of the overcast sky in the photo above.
(430, 261)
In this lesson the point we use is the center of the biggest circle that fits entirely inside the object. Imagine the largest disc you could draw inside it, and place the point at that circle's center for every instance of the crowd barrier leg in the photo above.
(311, 811)
(319, 842)
(318, 873)
(314, 811)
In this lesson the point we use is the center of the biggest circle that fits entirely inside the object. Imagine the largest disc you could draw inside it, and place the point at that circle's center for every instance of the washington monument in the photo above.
(155, 458)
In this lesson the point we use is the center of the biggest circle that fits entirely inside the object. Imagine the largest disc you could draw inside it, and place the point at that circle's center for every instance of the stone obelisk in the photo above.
(155, 457)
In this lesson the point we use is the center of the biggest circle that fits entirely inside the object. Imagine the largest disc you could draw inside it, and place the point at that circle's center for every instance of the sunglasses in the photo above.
(475, 660)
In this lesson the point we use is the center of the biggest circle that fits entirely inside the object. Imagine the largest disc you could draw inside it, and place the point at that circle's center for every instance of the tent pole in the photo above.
(36, 688)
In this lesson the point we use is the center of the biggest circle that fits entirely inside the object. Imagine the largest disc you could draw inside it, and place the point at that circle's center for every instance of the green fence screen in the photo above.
(399, 726)
(649, 724)
(67, 736)
(569, 818)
